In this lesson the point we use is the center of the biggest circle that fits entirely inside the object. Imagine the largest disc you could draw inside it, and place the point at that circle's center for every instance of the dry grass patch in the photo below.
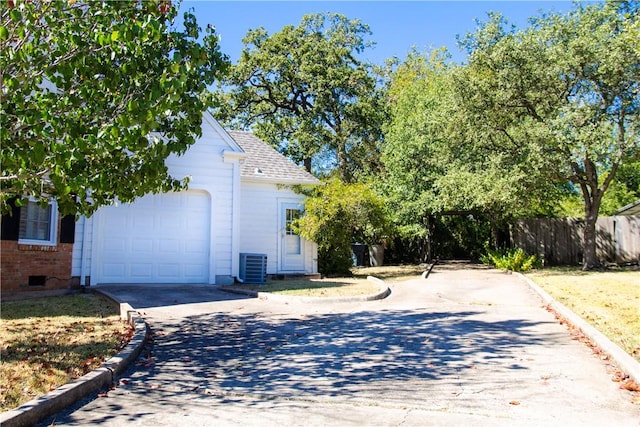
(47, 342)
(358, 285)
(608, 300)
(341, 287)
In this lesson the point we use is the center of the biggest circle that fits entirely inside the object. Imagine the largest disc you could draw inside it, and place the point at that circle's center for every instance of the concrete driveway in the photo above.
(467, 346)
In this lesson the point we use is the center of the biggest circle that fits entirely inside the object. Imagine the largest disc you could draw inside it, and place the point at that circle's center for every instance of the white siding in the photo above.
(260, 224)
(204, 163)
(79, 245)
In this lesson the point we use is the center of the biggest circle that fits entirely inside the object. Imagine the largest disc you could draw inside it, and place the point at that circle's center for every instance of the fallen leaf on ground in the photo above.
(618, 377)
(514, 402)
(630, 385)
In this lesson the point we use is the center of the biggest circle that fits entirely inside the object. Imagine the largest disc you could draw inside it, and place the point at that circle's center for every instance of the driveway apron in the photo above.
(469, 345)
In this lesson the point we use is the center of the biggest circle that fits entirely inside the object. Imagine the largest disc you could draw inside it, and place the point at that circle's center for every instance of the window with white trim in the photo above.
(38, 225)
(291, 216)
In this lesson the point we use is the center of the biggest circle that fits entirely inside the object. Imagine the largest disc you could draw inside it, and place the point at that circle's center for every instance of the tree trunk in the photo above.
(592, 199)
(501, 235)
(429, 224)
(307, 164)
(590, 256)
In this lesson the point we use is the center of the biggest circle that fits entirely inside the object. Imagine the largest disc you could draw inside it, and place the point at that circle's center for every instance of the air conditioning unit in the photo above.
(253, 268)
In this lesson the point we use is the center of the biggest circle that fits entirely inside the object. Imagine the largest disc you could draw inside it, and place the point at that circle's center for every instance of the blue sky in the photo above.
(396, 25)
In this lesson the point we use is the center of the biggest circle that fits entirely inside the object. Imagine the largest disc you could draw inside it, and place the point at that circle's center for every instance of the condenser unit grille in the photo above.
(253, 268)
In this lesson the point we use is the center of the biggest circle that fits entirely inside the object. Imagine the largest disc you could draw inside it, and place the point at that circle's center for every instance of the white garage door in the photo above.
(161, 238)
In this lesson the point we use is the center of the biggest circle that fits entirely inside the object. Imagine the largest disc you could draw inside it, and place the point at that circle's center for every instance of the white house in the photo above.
(239, 201)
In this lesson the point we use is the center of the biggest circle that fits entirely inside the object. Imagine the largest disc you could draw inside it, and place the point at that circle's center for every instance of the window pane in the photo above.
(291, 215)
(35, 222)
(42, 230)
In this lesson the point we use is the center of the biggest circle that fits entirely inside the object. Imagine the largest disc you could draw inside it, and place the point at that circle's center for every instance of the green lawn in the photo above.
(608, 300)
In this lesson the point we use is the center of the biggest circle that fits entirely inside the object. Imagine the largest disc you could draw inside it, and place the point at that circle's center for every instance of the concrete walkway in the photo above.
(467, 346)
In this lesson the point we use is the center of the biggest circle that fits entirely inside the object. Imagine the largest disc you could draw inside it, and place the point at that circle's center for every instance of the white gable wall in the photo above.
(260, 224)
(204, 162)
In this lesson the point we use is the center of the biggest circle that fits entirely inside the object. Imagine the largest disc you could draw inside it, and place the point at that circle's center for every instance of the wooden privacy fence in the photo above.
(559, 241)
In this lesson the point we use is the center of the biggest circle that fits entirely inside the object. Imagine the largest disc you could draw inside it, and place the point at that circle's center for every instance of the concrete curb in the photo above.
(383, 292)
(42, 407)
(619, 357)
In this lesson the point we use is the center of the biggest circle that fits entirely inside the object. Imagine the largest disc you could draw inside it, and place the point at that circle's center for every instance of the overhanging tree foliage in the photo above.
(565, 91)
(96, 95)
(304, 91)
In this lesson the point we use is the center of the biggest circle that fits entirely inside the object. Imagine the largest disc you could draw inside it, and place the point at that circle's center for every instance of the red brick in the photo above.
(18, 262)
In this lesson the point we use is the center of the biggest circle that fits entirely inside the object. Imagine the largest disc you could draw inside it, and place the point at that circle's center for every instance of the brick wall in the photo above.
(33, 268)
(18, 262)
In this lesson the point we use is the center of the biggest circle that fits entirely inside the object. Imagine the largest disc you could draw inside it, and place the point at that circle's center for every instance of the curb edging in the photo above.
(383, 292)
(38, 409)
(619, 357)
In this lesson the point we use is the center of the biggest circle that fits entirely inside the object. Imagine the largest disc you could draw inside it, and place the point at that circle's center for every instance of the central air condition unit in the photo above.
(253, 268)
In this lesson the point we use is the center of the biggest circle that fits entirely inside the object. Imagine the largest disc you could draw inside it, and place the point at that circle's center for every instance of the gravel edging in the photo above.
(383, 292)
(53, 402)
(619, 357)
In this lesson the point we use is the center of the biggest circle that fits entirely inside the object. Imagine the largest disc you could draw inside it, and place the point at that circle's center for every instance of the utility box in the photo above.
(253, 268)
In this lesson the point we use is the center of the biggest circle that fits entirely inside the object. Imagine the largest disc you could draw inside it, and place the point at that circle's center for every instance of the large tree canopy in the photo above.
(96, 95)
(565, 92)
(420, 104)
(433, 165)
(304, 91)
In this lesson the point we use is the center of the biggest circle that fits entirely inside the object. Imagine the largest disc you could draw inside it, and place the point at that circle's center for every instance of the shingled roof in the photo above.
(263, 163)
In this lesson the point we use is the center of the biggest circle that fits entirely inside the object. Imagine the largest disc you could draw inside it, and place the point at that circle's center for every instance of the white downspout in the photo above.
(235, 222)
(83, 258)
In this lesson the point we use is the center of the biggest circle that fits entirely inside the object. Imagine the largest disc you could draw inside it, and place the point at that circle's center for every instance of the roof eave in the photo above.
(282, 181)
(630, 209)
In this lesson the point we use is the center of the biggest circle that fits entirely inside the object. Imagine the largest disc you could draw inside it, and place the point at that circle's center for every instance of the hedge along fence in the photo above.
(559, 241)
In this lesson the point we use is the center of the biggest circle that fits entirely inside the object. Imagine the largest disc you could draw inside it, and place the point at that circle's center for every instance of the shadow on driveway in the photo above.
(360, 354)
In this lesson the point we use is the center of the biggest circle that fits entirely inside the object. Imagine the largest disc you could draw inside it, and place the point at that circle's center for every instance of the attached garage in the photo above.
(238, 201)
(161, 238)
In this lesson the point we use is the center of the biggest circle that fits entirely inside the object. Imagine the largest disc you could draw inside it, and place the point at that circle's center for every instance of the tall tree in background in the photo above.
(304, 91)
(564, 91)
(434, 164)
(96, 95)
(420, 104)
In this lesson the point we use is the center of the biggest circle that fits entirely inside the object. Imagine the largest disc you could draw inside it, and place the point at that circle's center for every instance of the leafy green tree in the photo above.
(623, 190)
(563, 94)
(629, 176)
(304, 91)
(419, 106)
(96, 95)
(337, 215)
(433, 165)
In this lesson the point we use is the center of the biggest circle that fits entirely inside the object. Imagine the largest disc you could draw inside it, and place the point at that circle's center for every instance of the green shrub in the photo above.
(510, 259)
(337, 215)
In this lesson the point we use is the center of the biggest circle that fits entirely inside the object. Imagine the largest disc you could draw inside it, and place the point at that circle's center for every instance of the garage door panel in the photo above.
(141, 270)
(168, 246)
(157, 239)
(194, 270)
(142, 246)
(194, 248)
(169, 270)
(114, 245)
